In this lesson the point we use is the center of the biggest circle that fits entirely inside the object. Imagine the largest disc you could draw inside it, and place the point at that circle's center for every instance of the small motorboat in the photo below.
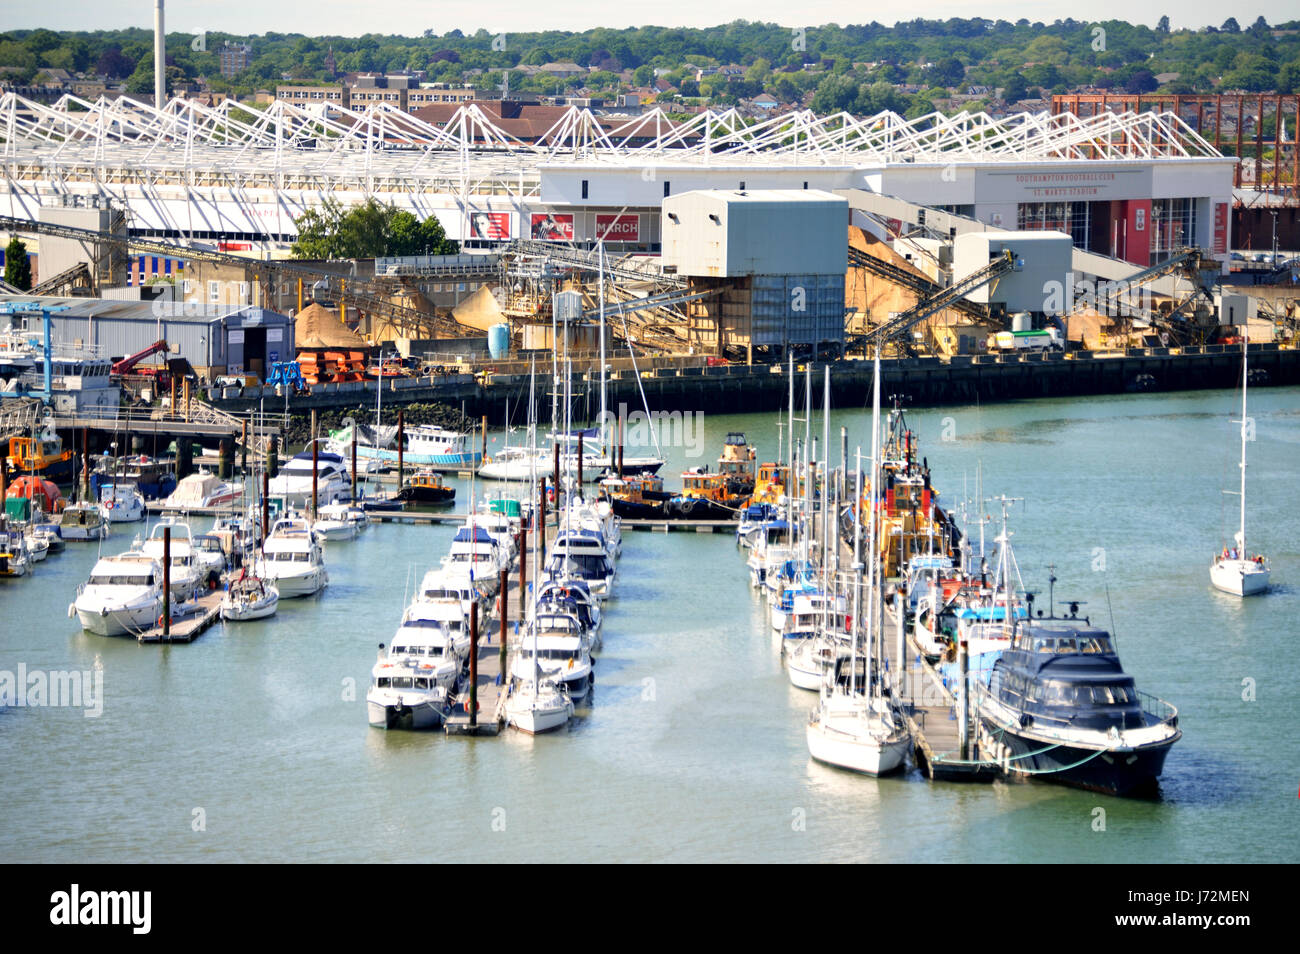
(82, 521)
(121, 503)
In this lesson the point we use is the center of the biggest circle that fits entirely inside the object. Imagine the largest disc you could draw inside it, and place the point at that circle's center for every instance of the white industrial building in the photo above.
(1130, 186)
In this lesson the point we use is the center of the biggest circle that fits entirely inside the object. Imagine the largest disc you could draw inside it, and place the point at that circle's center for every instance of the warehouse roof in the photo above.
(79, 307)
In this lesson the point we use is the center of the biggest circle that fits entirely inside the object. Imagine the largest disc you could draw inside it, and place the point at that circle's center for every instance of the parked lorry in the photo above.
(1047, 339)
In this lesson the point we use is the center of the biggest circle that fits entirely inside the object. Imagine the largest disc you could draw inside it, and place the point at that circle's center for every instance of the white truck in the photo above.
(1048, 339)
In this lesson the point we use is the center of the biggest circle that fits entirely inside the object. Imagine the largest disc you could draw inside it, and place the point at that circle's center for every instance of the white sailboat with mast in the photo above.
(1234, 570)
(855, 726)
(536, 705)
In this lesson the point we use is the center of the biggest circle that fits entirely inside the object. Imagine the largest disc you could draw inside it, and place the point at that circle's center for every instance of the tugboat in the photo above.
(636, 496)
(737, 465)
(426, 487)
(1059, 706)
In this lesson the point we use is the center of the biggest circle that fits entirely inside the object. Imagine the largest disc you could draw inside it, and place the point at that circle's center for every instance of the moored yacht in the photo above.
(187, 575)
(1059, 706)
(121, 503)
(248, 598)
(294, 481)
(123, 595)
(411, 685)
(203, 489)
(292, 560)
(82, 521)
(555, 645)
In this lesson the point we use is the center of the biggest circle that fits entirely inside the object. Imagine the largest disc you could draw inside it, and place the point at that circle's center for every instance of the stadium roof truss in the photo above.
(382, 150)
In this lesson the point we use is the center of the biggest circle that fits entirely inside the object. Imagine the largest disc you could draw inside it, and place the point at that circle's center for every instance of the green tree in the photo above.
(18, 270)
(367, 231)
(1014, 89)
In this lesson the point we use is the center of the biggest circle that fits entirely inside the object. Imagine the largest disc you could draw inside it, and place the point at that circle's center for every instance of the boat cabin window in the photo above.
(126, 579)
(285, 556)
(556, 654)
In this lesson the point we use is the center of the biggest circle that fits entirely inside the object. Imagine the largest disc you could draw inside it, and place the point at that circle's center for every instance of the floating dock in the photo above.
(199, 615)
(932, 714)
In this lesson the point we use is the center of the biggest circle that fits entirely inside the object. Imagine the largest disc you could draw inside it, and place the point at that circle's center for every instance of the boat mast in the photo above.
(1241, 533)
(790, 482)
(601, 265)
(872, 549)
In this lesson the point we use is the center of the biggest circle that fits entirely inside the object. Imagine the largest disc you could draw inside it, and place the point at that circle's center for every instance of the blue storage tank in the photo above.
(499, 340)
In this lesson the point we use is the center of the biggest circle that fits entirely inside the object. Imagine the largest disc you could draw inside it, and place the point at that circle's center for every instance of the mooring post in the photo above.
(354, 462)
(523, 567)
(315, 472)
(541, 522)
(401, 448)
(473, 663)
(505, 621)
(167, 582)
(963, 716)
(266, 504)
(555, 482)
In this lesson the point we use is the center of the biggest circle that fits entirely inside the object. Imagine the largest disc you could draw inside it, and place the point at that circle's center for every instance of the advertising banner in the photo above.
(489, 225)
(552, 227)
(618, 228)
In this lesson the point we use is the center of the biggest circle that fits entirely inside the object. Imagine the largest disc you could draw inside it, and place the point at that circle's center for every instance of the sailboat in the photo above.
(855, 726)
(539, 704)
(1233, 569)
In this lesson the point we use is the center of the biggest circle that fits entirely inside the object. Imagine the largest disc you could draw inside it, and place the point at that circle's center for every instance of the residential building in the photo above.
(234, 58)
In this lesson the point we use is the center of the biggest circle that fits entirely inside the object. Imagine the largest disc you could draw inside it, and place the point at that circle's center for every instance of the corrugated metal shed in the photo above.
(210, 337)
(725, 234)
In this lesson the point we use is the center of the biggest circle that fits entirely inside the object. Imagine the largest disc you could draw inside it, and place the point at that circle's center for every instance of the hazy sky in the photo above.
(409, 18)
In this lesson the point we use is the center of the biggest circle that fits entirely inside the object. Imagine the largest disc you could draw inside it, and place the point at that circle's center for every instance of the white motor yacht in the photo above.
(582, 555)
(292, 560)
(203, 489)
(294, 481)
(560, 653)
(475, 555)
(122, 596)
(405, 693)
(442, 584)
(188, 575)
(121, 503)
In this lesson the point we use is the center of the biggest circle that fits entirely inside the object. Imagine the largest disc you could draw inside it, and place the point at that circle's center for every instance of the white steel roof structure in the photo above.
(196, 170)
(383, 149)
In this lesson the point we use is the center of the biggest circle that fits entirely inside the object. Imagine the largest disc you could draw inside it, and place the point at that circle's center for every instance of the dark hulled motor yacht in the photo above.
(1060, 707)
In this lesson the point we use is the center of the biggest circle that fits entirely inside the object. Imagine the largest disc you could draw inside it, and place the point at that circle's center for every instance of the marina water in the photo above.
(251, 744)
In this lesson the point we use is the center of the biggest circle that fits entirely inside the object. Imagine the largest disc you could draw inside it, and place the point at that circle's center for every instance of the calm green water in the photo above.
(694, 748)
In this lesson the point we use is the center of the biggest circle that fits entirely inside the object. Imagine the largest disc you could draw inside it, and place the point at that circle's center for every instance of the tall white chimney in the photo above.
(159, 56)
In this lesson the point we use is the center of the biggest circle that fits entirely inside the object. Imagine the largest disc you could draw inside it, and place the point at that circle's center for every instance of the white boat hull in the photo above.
(304, 584)
(245, 610)
(856, 752)
(391, 714)
(120, 622)
(1239, 577)
(538, 719)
